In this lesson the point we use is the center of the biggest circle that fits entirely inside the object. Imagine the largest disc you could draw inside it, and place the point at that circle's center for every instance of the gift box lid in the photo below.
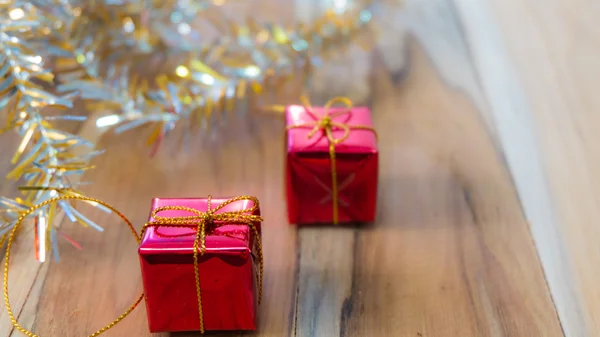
(228, 239)
(359, 141)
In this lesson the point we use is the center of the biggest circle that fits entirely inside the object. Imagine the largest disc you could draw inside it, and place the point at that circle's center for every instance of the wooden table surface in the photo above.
(487, 224)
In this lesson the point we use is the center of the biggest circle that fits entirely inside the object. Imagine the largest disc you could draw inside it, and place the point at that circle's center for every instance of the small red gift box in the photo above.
(332, 163)
(210, 242)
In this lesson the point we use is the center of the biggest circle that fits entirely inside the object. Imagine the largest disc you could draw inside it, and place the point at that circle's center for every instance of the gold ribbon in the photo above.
(328, 125)
(200, 220)
(11, 238)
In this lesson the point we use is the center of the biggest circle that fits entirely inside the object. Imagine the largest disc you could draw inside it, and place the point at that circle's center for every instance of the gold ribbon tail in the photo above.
(199, 238)
(334, 187)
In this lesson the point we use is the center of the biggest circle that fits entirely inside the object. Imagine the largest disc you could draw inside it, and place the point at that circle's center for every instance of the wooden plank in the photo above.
(451, 253)
(546, 106)
(441, 261)
(9, 142)
(24, 282)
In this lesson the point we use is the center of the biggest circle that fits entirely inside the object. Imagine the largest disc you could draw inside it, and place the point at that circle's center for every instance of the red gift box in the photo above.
(226, 233)
(332, 164)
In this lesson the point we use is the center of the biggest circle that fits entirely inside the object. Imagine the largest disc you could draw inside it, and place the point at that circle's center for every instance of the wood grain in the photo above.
(538, 68)
(452, 252)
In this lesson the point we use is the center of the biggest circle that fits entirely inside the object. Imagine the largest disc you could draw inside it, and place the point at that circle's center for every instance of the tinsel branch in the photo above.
(203, 81)
(44, 159)
(147, 62)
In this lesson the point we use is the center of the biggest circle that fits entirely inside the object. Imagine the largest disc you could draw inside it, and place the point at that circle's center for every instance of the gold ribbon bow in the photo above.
(200, 220)
(326, 124)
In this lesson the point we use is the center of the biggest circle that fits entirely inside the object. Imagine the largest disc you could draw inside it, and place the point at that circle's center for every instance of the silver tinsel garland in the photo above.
(97, 48)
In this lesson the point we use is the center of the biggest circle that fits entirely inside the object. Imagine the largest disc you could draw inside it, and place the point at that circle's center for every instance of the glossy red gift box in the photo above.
(227, 272)
(308, 167)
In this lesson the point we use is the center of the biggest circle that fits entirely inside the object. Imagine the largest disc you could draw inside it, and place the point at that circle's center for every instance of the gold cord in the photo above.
(213, 217)
(327, 125)
(200, 220)
(334, 187)
(11, 240)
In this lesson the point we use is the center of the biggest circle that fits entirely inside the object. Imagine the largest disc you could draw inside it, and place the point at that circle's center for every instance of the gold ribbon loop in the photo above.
(10, 243)
(327, 125)
(215, 217)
